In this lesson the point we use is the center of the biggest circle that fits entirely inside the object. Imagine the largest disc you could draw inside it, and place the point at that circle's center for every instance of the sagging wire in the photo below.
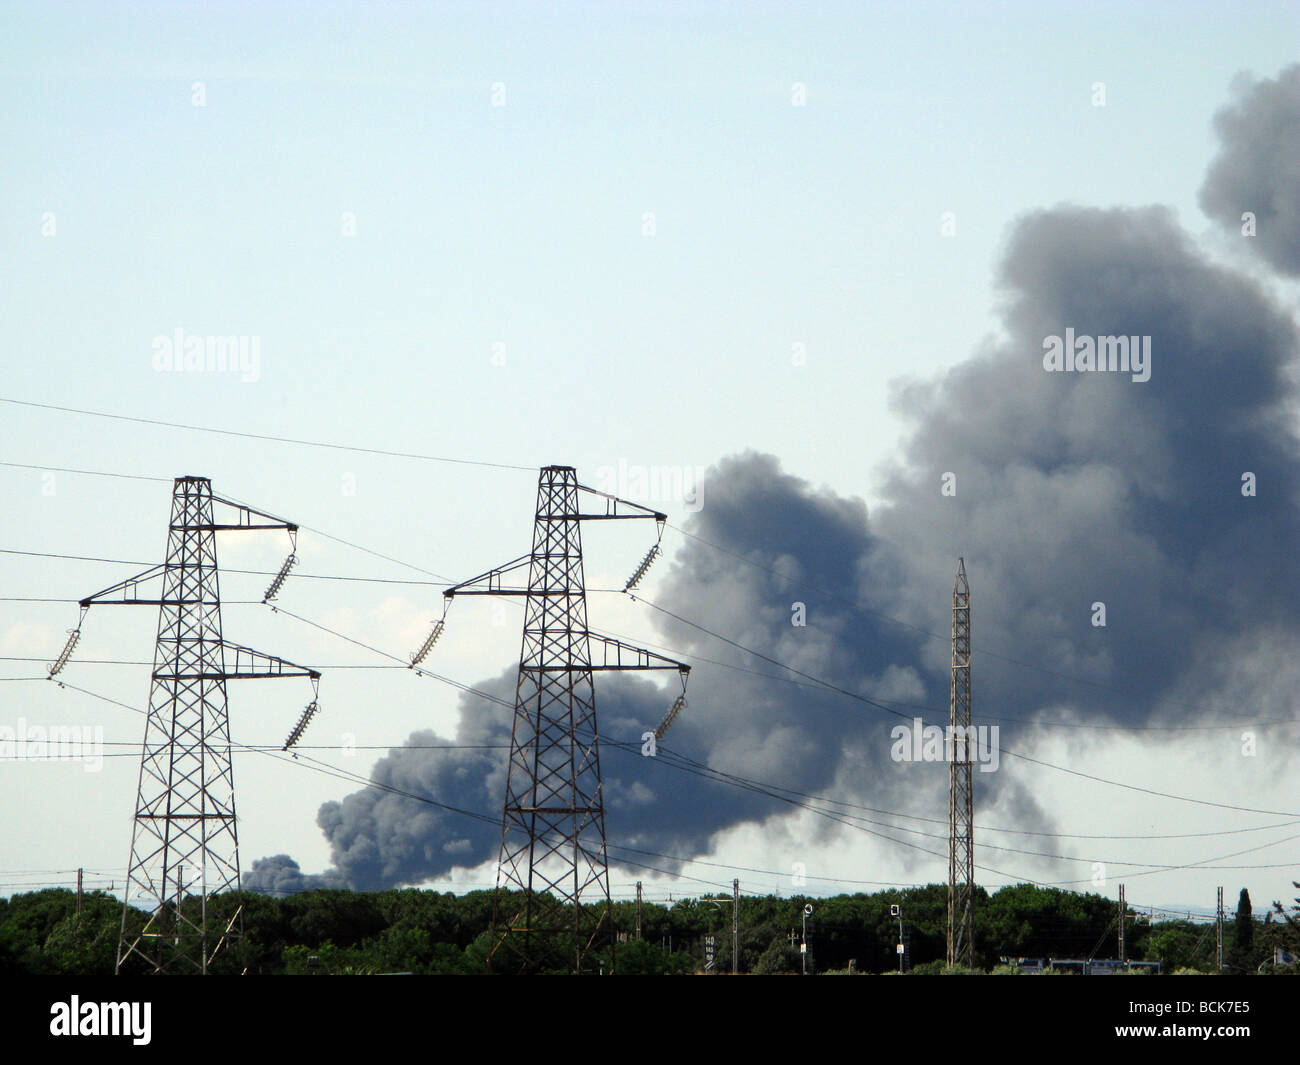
(74, 637)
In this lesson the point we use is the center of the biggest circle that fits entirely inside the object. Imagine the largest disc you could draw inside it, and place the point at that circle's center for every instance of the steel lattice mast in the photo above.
(553, 822)
(961, 847)
(184, 843)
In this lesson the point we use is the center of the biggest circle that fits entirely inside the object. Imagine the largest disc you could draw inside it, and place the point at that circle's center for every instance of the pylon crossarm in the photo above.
(245, 519)
(252, 665)
(617, 508)
(129, 590)
(489, 583)
(609, 653)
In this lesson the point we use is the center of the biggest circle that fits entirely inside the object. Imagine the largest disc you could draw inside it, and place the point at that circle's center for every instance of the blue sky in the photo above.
(523, 225)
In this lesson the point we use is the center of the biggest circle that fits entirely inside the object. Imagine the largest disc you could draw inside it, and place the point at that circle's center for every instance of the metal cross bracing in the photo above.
(184, 842)
(552, 906)
(961, 847)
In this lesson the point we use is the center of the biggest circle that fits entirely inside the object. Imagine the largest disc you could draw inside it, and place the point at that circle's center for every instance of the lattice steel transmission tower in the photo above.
(553, 822)
(961, 847)
(184, 842)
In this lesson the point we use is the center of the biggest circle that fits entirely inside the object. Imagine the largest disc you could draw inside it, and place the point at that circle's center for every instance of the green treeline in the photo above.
(428, 932)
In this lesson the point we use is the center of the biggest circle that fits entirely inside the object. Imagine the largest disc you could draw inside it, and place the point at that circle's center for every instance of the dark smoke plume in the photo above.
(1257, 169)
(1067, 490)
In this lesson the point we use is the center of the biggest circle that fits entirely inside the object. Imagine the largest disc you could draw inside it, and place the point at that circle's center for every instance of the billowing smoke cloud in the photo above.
(380, 837)
(1166, 500)
(280, 875)
(1257, 169)
(1074, 489)
(773, 731)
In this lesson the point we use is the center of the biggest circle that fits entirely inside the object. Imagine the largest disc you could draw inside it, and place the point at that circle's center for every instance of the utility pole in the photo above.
(79, 872)
(185, 803)
(1123, 958)
(735, 926)
(553, 822)
(961, 846)
(638, 909)
(1218, 932)
(896, 910)
(803, 947)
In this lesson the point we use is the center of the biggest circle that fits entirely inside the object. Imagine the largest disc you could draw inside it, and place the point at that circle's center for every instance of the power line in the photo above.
(851, 821)
(1202, 863)
(418, 670)
(260, 436)
(982, 828)
(854, 821)
(811, 682)
(688, 861)
(857, 606)
(751, 785)
(135, 477)
(1003, 750)
(90, 473)
(337, 772)
(709, 543)
(817, 681)
(352, 777)
(256, 748)
(833, 688)
(141, 662)
(681, 761)
(503, 702)
(442, 583)
(73, 558)
(983, 651)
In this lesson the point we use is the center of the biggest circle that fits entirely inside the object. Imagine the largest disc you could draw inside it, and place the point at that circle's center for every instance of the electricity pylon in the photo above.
(961, 847)
(184, 843)
(553, 822)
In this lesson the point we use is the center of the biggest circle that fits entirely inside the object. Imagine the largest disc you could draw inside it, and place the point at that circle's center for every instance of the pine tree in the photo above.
(1244, 939)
